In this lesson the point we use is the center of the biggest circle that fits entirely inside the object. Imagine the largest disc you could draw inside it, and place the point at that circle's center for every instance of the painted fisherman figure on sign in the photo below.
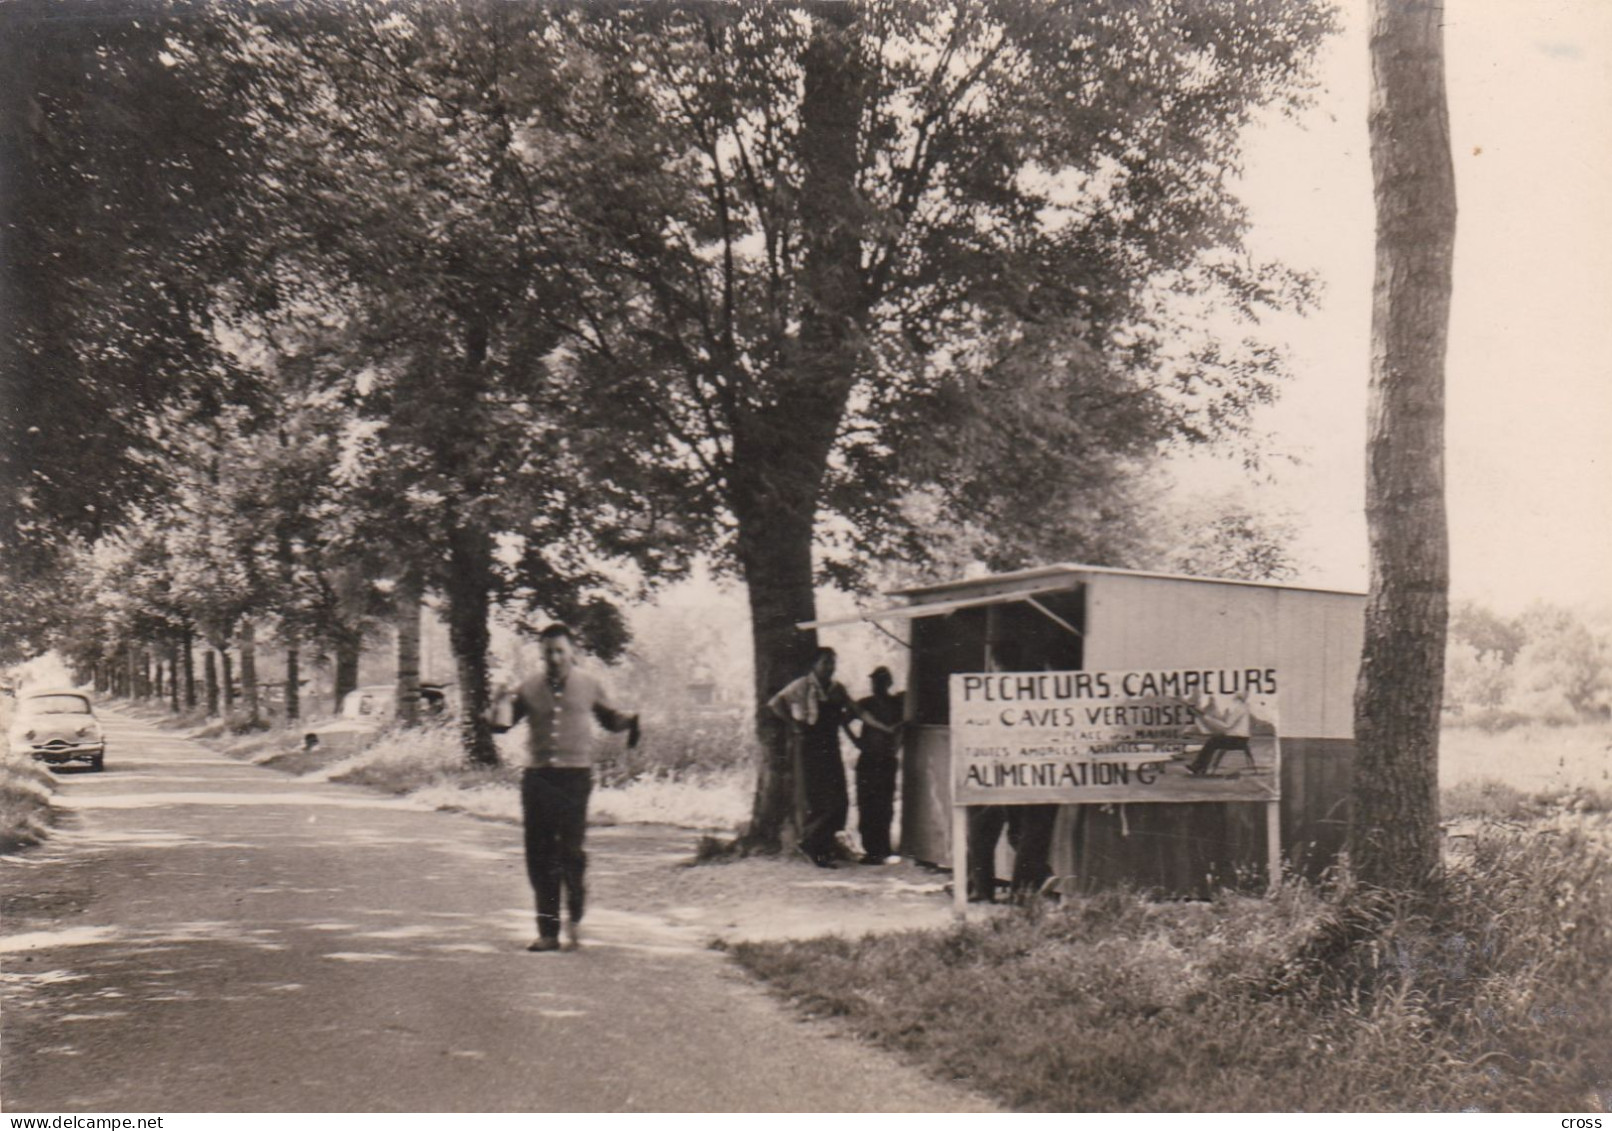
(561, 706)
(1228, 727)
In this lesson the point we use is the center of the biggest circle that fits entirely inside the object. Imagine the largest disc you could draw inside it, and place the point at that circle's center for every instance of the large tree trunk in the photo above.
(786, 448)
(190, 670)
(409, 596)
(348, 650)
(293, 676)
(777, 564)
(290, 626)
(210, 681)
(248, 645)
(469, 590)
(1394, 831)
(228, 663)
(173, 677)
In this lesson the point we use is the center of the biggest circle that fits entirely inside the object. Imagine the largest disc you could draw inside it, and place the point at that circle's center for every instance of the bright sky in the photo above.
(1530, 400)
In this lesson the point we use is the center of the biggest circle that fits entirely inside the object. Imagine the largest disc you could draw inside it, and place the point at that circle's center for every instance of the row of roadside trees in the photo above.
(312, 311)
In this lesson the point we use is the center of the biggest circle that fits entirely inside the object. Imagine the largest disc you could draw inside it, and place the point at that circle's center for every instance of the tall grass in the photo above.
(1490, 995)
(25, 809)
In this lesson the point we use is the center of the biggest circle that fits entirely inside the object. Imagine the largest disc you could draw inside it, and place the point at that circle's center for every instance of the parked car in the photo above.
(366, 709)
(58, 727)
(379, 701)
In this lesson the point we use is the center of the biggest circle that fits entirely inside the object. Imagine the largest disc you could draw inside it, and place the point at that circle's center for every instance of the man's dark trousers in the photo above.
(554, 808)
(1029, 829)
(876, 800)
(823, 781)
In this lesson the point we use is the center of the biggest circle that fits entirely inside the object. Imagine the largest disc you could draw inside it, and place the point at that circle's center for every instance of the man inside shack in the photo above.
(559, 704)
(814, 709)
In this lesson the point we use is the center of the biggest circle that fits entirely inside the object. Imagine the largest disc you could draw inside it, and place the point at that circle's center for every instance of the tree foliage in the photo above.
(116, 202)
(1548, 664)
(556, 285)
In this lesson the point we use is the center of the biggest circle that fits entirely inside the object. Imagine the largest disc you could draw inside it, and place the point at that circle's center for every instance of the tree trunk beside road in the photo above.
(249, 689)
(406, 621)
(470, 585)
(210, 681)
(1394, 831)
(786, 446)
(190, 670)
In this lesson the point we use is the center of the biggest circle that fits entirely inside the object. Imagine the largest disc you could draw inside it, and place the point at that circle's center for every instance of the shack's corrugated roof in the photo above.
(1019, 585)
(1039, 576)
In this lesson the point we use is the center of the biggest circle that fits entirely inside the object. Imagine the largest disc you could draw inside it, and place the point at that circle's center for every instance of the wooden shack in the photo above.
(1074, 618)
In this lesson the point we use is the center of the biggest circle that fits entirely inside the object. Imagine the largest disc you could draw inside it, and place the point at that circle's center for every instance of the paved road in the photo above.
(205, 935)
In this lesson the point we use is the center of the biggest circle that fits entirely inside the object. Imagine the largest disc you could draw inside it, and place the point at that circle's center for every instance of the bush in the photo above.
(404, 759)
(25, 809)
(682, 745)
(238, 722)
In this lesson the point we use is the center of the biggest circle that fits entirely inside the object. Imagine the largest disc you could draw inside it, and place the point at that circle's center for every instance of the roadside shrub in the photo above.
(25, 809)
(683, 745)
(404, 759)
(239, 722)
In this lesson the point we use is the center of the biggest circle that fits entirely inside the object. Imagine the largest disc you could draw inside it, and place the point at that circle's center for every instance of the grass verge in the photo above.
(25, 789)
(1489, 997)
(25, 809)
(427, 764)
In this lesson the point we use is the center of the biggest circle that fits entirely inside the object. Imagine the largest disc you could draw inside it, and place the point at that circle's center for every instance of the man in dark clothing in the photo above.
(561, 706)
(879, 745)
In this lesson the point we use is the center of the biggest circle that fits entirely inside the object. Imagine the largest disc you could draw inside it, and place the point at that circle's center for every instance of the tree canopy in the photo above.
(804, 286)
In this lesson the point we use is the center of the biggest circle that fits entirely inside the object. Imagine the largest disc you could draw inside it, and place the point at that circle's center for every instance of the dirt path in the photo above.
(204, 935)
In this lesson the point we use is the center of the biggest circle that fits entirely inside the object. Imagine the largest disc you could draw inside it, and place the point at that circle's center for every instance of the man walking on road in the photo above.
(556, 785)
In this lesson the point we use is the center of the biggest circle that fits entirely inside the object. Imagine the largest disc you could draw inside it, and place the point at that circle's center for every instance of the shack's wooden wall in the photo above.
(1313, 639)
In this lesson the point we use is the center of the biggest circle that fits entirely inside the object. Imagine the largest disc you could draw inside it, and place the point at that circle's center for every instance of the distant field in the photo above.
(1531, 758)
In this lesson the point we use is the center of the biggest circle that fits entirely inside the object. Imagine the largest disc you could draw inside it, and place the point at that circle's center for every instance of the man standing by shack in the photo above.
(879, 757)
(559, 705)
(815, 709)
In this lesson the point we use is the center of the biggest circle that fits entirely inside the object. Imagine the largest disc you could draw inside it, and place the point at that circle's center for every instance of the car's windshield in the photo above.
(57, 705)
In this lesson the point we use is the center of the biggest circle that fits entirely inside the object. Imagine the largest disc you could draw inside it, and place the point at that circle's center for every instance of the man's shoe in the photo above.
(871, 859)
(573, 936)
(824, 861)
(544, 943)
